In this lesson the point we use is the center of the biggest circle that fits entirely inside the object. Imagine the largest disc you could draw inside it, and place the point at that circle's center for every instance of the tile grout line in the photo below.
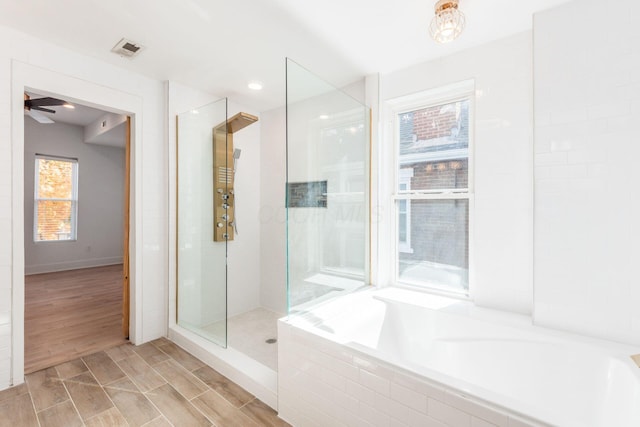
(178, 391)
(199, 395)
(159, 416)
(256, 422)
(186, 370)
(113, 405)
(72, 402)
(209, 388)
(33, 405)
(55, 404)
(138, 388)
(245, 404)
(207, 385)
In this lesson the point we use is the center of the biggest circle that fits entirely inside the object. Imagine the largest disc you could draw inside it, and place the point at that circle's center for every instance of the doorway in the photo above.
(76, 229)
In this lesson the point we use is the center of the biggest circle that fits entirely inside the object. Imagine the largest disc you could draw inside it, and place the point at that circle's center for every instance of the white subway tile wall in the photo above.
(322, 383)
(587, 158)
(502, 212)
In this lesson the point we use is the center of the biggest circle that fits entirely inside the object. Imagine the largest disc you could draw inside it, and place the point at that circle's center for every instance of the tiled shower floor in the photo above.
(155, 384)
(248, 333)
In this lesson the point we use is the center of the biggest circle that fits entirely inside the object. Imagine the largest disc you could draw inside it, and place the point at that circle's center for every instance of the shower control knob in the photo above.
(225, 206)
(220, 225)
(225, 197)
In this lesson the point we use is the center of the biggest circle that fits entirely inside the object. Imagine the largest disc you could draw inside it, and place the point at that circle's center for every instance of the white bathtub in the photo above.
(498, 360)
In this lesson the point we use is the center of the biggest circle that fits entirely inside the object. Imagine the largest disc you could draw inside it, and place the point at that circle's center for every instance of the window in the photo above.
(432, 192)
(55, 199)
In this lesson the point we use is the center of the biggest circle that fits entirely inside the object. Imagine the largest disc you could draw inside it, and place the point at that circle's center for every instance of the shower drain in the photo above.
(271, 341)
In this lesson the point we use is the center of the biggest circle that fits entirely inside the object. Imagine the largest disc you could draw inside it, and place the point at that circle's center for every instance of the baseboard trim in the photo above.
(71, 265)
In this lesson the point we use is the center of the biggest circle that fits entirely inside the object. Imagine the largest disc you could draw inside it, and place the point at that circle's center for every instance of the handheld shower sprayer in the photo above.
(236, 156)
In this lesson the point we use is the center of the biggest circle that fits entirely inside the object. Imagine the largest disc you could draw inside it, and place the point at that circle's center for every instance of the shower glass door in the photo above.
(201, 261)
(327, 190)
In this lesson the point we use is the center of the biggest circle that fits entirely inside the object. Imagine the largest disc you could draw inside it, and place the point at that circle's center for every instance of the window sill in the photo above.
(434, 289)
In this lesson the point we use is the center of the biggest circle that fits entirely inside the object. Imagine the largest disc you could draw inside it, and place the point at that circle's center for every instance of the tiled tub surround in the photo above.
(393, 357)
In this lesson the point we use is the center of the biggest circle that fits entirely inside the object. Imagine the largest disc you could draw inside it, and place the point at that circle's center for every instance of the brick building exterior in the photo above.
(434, 144)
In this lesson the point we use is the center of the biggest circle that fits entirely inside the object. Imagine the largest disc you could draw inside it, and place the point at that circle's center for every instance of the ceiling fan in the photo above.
(32, 107)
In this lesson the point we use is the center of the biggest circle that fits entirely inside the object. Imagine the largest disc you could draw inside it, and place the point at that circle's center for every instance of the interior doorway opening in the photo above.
(76, 229)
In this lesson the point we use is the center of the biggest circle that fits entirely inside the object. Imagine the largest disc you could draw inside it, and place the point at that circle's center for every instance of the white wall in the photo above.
(100, 200)
(587, 111)
(37, 64)
(502, 239)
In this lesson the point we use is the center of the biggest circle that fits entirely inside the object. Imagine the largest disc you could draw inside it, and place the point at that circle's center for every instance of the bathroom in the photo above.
(547, 238)
(531, 165)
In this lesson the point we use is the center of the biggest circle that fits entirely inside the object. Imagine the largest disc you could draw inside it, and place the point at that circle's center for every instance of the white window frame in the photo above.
(404, 178)
(73, 199)
(395, 108)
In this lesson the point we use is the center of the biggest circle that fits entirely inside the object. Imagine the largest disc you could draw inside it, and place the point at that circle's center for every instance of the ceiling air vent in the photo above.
(127, 48)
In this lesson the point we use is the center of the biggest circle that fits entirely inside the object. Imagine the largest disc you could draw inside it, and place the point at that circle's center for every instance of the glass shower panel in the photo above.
(202, 254)
(327, 190)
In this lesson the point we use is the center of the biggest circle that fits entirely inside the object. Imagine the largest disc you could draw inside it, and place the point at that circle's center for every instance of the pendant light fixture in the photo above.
(448, 22)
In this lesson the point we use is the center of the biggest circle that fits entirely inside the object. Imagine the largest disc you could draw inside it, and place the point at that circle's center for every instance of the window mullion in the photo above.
(431, 196)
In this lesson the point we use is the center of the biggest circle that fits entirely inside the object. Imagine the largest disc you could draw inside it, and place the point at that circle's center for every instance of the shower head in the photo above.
(236, 153)
(240, 121)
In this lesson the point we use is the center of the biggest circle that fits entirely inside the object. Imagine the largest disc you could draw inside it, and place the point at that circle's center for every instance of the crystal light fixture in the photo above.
(448, 22)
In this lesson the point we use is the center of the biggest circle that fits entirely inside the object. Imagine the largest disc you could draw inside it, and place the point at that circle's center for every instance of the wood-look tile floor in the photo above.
(69, 314)
(156, 384)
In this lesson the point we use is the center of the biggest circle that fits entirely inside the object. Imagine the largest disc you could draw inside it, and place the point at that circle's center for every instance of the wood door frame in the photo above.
(50, 83)
(126, 293)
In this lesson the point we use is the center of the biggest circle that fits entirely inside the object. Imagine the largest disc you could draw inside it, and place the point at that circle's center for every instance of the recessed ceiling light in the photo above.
(69, 106)
(255, 85)
(323, 117)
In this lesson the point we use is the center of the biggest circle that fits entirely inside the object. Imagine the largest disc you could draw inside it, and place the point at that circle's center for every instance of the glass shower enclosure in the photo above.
(327, 190)
(202, 238)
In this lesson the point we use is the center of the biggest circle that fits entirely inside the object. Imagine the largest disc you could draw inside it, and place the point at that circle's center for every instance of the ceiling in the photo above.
(218, 46)
(81, 115)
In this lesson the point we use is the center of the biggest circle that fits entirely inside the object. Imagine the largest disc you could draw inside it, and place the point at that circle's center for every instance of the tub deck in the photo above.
(498, 359)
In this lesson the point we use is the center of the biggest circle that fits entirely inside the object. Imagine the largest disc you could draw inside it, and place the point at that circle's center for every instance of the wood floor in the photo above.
(71, 314)
(154, 384)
